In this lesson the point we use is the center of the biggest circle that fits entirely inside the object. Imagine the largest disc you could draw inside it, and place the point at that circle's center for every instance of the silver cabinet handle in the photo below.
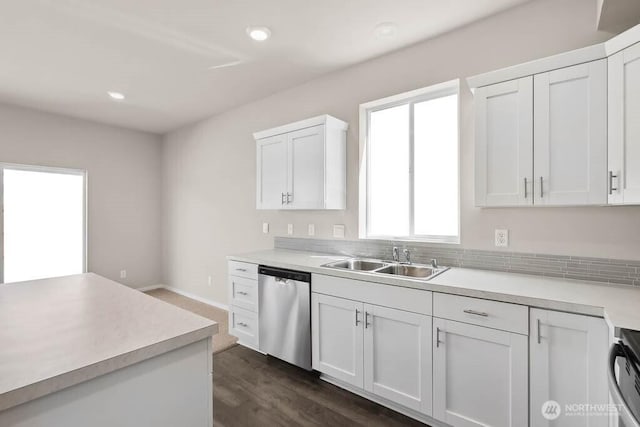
(477, 313)
(242, 293)
(541, 190)
(366, 320)
(611, 187)
(243, 324)
(289, 198)
(525, 187)
(438, 342)
(538, 332)
(241, 269)
(357, 320)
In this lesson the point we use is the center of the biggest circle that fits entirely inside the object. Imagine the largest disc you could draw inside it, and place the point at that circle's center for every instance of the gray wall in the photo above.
(209, 167)
(124, 184)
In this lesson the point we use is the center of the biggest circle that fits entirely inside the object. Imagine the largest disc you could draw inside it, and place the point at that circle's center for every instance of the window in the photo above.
(409, 185)
(43, 220)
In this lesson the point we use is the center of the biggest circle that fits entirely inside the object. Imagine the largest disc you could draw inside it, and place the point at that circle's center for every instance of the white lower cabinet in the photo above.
(479, 375)
(336, 338)
(385, 351)
(568, 358)
(397, 356)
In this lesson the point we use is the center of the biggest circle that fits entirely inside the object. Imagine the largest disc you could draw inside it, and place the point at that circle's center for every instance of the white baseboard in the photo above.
(188, 295)
(149, 288)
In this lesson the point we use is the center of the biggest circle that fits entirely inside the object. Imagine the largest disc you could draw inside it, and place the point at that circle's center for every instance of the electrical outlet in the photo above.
(265, 227)
(123, 274)
(502, 238)
(312, 230)
(338, 231)
(289, 229)
(209, 281)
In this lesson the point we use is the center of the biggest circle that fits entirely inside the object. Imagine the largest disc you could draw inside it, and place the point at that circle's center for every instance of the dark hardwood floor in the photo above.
(250, 389)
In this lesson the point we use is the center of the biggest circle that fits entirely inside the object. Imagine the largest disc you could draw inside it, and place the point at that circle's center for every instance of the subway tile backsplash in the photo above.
(614, 271)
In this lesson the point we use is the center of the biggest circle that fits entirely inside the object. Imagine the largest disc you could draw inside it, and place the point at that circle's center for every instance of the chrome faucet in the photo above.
(396, 254)
(434, 263)
(407, 255)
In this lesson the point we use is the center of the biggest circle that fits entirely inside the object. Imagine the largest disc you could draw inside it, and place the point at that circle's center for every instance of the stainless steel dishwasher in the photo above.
(284, 307)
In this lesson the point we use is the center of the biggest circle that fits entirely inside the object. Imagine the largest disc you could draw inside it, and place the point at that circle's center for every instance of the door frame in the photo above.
(48, 169)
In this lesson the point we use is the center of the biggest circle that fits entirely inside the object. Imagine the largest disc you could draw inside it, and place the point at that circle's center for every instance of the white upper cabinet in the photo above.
(567, 365)
(302, 165)
(624, 126)
(272, 169)
(570, 135)
(504, 143)
(561, 116)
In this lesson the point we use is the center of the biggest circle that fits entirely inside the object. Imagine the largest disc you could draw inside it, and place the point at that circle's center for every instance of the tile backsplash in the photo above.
(614, 271)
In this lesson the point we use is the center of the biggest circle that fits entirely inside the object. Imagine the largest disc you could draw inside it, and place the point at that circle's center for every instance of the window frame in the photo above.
(49, 169)
(451, 87)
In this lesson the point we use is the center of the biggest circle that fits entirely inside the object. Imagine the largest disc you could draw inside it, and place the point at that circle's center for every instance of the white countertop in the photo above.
(59, 332)
(620, 305)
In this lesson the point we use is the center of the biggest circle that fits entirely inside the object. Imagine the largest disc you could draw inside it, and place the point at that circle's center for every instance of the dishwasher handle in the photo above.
(626, 415)
(281, 273)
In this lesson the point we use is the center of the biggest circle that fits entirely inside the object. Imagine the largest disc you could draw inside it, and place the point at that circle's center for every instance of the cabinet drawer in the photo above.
(244, 269)
(244, 325)
(244, 293)
(492, 314)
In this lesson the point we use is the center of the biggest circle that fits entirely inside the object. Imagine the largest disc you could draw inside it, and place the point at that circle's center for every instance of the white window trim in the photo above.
(52, 169)
(436, 91)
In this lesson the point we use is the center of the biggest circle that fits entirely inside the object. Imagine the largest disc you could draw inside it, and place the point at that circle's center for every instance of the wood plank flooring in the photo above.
(250, 389)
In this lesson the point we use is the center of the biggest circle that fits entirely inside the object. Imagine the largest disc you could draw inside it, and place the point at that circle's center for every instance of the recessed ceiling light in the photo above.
(259, 34)
(116, 95)
(385, 29)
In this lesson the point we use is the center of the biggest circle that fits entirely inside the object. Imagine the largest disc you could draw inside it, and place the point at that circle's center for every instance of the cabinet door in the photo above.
(271, 172)
(568, 361)
(504, 143)
(307, 168)
(336, 338)
(397, 356)
(624, 126)
(479, 376)
(570, 116)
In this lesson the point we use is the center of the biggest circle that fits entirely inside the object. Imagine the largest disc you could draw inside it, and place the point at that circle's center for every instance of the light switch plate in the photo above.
(502, 238)
(265, 227)
(289, 229)
(312, 230)
(338, 231)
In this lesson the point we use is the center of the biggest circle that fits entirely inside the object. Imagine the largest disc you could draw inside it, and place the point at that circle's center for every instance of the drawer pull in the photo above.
(242, 293)
(477, 313)
(242, 324)
(241, 269)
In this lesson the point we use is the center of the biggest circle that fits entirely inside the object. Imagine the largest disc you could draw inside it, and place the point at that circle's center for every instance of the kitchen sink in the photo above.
(419, 271)
(357, 264)
(414, 271)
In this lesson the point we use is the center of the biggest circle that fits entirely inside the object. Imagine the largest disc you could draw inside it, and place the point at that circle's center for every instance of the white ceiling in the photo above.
(178, 61)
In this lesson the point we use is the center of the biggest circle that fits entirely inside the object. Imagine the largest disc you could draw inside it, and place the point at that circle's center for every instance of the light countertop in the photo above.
(63, 331)
(619, 305)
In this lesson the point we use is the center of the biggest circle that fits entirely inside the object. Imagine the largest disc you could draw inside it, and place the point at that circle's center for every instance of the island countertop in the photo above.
(63, 331)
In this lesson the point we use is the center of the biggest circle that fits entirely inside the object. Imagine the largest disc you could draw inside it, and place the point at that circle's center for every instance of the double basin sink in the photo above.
(414, 271)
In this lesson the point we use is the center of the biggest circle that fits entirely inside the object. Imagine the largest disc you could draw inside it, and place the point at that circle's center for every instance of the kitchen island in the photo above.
(84, 350)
